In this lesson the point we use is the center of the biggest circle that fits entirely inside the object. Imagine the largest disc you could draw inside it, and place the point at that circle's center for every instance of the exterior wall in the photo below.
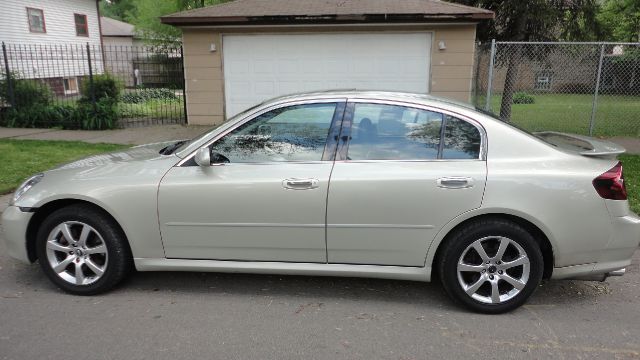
(60, 31)
(451, 68)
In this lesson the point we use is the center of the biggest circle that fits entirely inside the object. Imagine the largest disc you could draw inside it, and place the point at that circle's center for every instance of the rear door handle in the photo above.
(455, 182)
(300, 184)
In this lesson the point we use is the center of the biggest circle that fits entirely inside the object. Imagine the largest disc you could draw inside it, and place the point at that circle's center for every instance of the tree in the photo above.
(117, 9)
(621, 20)
(146, 14)
(534, 20)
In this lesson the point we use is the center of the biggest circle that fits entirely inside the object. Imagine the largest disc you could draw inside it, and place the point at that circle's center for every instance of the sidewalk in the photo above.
(131, 136)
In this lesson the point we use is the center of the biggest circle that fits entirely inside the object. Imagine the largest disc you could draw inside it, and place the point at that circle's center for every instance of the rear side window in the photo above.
(391, 132)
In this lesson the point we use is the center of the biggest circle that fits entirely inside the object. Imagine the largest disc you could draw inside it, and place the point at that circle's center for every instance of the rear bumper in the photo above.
(614, 257)
(14, 224)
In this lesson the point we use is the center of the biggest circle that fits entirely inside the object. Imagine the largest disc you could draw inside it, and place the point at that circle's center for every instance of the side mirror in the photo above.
(203, 157)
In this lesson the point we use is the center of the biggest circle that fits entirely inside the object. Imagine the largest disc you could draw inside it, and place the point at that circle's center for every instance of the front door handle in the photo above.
(300, 184)
(455, 182)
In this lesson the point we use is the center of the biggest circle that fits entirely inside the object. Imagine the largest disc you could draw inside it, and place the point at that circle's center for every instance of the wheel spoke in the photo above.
(473, 288)
(86, 230)
(94, 267)
(470, 268)
(53, 245)
(522, 260)
(100, 249)
(495, 292)
(62, 265)
(66, 232)
(504, 243)
(480, 250)
(79, 274)
(514, 282)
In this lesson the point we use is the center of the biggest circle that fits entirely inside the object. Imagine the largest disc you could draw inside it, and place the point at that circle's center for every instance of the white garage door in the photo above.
(260, 67)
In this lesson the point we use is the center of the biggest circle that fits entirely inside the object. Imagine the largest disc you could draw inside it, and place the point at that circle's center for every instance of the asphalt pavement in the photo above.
(232, 316)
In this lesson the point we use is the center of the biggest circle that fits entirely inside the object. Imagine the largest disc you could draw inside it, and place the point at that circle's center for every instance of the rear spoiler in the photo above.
(583, 145)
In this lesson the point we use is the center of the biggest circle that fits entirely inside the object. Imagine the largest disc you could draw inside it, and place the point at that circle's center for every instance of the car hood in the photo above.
(146, 152)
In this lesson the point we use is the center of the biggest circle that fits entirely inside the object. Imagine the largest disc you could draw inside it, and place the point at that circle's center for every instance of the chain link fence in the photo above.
(64, 86)
(582, 88)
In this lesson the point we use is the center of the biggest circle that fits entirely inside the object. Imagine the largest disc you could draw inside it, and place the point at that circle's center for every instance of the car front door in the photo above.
(265, 197)
(402, 172)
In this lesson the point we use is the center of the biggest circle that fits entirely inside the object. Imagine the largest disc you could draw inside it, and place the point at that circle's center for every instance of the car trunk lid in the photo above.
(583, 145)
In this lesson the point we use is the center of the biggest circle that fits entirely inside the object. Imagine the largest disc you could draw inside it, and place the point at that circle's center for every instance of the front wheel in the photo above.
(82, 250)
(491, 266)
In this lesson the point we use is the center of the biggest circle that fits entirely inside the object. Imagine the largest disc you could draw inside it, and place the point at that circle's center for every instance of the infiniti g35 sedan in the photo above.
(342, 183)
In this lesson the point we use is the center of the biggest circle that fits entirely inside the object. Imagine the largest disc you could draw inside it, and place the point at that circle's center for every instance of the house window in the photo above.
(81, 25)
(36, 20)
(70, 85)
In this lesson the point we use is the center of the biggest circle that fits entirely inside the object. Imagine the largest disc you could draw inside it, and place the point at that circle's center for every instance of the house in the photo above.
(121, 49)
(242, 52)
(47, 40)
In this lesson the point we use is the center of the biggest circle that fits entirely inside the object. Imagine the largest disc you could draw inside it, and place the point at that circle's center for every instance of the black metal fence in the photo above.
(88, 86)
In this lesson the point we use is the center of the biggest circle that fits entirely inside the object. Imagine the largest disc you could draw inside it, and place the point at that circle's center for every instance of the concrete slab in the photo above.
(6, 133)
(631, 144)
(134, 136)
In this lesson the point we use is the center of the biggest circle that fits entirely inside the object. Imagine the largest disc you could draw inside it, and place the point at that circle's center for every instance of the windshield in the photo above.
(182, 144)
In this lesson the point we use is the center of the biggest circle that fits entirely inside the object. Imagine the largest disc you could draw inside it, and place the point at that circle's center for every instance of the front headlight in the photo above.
(28, 184)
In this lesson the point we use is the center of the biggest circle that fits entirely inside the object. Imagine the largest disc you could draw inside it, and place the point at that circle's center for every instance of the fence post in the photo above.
(91, 88)
(594, 108)
(184, 86)
(12, 99)
(490, 81)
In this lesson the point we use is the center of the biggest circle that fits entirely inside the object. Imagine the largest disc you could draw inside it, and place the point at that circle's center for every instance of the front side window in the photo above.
(391, 132)
(81, 25)
(293, 133)
(36, 20)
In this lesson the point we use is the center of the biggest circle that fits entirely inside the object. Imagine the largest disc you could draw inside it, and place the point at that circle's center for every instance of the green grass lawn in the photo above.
(23, 158)
(160, 109)
(631, 169)
(616, 115)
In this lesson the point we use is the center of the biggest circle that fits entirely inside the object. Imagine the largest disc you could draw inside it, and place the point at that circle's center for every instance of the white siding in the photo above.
(40, 53)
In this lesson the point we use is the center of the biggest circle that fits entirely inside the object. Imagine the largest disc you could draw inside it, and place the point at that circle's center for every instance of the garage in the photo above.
(240, 53)
(260, 67)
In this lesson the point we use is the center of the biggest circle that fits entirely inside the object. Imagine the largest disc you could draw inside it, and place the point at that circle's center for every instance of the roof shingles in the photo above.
(260, 10)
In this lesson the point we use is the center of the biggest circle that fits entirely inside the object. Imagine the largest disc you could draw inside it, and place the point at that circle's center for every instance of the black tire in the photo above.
(117, 248)
(492, 228)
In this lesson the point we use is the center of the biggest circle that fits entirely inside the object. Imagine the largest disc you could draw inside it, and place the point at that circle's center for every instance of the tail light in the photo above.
(610, 185)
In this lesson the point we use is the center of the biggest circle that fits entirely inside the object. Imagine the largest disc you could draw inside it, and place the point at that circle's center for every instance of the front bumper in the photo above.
(613, 258)
(14, 223)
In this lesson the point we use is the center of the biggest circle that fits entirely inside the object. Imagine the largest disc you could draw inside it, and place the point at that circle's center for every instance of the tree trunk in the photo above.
(510, 83)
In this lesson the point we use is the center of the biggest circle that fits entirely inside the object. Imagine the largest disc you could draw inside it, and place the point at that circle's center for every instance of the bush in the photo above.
(103, 117)
(144, 95)
(40, 115)
(26, 93)
(523, 98)
(105, 87)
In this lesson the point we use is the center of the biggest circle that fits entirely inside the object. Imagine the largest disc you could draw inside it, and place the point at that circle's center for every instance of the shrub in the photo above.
(26, 93)
(103, 116)
(523, 98)
(144, 95)
(40, 115)
(105, 87)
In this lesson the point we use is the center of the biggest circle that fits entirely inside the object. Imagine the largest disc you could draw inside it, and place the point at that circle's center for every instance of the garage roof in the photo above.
(261, 12)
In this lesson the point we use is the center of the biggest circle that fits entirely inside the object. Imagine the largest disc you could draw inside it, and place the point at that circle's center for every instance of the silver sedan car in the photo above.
(343, 183)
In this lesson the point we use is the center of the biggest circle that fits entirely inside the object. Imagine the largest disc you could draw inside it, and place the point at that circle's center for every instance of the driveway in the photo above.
(233, 316)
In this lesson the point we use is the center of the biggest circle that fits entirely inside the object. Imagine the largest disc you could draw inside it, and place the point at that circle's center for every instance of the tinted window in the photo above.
(294, 133)
(461, 140)
(388, 132)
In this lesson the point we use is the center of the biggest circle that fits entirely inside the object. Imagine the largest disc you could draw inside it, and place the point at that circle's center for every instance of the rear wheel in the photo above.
(82, 250)
(491, 266)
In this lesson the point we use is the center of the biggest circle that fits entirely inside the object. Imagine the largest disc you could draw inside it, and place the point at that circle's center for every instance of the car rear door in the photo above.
(395, 184)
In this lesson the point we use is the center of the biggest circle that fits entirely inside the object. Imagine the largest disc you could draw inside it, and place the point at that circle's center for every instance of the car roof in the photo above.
(373, 94)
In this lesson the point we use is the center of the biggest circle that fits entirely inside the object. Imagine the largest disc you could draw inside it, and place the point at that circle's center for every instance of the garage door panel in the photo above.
(259, 67)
